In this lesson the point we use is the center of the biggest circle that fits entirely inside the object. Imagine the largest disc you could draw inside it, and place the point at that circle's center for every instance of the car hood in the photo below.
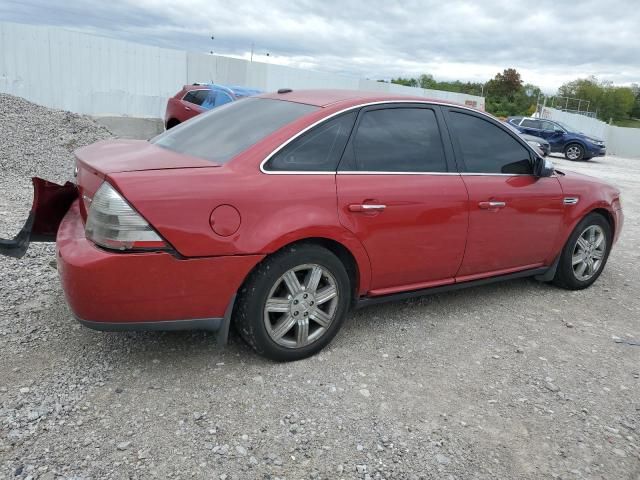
(584, 136)
(579, 183)
(114, 156)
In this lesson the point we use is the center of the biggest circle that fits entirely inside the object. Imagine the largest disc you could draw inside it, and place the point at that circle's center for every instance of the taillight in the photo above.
(113, 223)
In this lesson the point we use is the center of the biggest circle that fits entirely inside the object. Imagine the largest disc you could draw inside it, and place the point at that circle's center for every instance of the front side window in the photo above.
(318, 150)
(550, 126)
(396, 140)
(487, 148)
(220, 134)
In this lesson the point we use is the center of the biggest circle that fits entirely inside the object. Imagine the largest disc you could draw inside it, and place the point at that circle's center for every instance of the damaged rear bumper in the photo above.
(50, 204)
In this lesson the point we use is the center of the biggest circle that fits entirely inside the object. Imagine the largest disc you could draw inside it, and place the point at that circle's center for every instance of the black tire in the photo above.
(172, 123)
(574, 152)
(249, 314)
(566, 276)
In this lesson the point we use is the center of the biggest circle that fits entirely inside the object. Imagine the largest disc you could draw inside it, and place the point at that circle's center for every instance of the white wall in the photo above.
(101, 76)
(621, 141)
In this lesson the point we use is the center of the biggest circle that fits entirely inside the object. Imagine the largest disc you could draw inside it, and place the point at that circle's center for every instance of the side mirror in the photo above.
(559, 131)
(543, 167)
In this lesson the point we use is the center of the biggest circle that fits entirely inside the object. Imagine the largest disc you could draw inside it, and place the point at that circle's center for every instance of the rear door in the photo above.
(191, 104)
(400, 194)
(514, 216)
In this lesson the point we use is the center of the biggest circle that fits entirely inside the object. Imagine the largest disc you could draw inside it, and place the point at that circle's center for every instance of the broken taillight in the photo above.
(113, 223)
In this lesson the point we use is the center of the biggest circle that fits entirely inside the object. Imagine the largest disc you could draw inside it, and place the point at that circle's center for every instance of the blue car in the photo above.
(562, 138)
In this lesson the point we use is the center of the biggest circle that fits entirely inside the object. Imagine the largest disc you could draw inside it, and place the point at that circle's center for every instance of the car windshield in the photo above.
(220, 134)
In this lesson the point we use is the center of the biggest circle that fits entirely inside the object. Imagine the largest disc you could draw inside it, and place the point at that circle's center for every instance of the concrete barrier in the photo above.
(101, 76)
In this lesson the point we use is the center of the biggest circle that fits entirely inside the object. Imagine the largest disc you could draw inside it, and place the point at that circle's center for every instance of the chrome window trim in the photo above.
(362, 105)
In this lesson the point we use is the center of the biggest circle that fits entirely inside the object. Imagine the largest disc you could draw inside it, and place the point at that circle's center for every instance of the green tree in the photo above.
(608, 100)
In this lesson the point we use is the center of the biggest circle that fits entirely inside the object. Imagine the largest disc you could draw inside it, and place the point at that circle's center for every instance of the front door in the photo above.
(399, 193)
(514, 216)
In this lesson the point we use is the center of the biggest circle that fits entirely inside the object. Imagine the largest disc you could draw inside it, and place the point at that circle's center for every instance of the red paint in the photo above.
(418, 237)
(102, 286)
(523, 232)
(178, 109)
(223, 219)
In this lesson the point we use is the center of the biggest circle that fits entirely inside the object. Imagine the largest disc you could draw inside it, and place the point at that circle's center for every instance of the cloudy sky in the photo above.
(548, 41)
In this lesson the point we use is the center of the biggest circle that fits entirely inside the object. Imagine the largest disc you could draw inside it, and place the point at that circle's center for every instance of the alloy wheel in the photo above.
(588, 252)
(301, 306)
(573, 152)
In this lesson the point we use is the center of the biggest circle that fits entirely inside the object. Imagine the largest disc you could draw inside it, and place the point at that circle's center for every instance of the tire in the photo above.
(172, 123)
(574, 152)
(569, 275)
(309, 317)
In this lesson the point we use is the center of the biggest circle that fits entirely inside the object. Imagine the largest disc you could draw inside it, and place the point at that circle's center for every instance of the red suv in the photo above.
(279, 213)
(200, 97)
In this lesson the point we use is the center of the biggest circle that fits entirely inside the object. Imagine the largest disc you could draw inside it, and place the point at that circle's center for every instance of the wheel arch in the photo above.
(575, 141)
(349, 252)
(607, 215)
(172, 122)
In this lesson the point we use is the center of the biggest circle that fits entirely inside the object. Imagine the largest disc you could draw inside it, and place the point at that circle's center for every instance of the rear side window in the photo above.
(196, 97)
(222, 133)
(397, 140)
(487, 148)
(319, 149)
(531, 124)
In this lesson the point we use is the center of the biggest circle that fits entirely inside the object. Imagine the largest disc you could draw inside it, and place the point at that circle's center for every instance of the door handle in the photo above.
(366, 207)
(491, 205)
(187, 108)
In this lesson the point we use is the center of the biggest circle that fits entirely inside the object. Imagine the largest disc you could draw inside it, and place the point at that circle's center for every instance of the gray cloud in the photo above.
(549, 41)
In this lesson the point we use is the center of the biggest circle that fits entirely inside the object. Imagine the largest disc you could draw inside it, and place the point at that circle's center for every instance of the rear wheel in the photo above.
(574, 152)
(294, 303)
(585, 254)
(172, 123)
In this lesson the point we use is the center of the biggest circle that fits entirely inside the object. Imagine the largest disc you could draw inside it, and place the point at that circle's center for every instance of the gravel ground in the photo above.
(514, 380)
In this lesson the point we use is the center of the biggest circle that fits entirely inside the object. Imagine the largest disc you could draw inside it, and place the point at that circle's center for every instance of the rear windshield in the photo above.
(222, 133)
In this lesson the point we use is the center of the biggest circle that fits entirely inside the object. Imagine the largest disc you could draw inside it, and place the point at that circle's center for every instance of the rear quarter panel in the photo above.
(274, 210)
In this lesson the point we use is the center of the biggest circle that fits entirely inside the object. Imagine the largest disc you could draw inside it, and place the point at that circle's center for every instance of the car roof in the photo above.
(324, 98)
(236, 90)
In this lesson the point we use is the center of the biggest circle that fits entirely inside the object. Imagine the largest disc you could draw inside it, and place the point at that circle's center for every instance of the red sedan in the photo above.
(281, 212)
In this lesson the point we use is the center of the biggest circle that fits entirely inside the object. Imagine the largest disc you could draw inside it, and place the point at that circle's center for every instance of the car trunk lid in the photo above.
(96, 162)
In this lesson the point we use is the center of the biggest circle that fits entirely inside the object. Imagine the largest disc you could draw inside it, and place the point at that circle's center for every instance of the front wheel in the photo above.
(574, 152)
(294, 303)
(585, 254)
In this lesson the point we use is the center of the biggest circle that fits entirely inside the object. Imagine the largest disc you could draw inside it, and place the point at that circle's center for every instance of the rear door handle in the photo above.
(366, 207)
(491, 205)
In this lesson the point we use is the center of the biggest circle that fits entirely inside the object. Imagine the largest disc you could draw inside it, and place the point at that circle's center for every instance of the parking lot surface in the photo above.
(511, 380)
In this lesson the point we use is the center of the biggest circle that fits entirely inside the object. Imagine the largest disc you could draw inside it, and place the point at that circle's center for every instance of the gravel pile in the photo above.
(516, 380)
(36, 141)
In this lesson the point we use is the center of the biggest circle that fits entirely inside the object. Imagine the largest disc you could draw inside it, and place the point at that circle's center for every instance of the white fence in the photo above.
(621, 141)
(101, 76)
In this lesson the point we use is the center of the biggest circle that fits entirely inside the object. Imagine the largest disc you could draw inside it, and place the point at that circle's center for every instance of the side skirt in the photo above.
(366, 301)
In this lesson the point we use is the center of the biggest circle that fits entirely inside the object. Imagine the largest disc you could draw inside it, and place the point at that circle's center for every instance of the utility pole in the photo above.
(252, 45)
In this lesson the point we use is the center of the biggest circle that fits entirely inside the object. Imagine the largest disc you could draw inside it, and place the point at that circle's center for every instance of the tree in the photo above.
(506, 95)
(635, 111)
(407, 82)
(605, 98)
